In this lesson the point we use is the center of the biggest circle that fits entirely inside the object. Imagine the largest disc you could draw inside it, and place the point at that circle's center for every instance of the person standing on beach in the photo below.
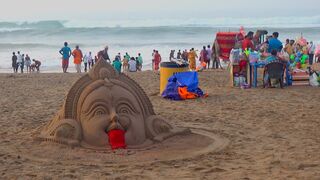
(28, 63)
(157, 60)
(179, 54)
(274, 43)
(22, 64)
(153, 53)
(14, 62)
(247, 43)
(140, 61)
(203, 55)
(104, 55)
(66, 54)
(216, 55)
(311, 51)
(85, 62)
(77, 55)
(89, 59)
(192, 56)
(19, 61)
(209, 55)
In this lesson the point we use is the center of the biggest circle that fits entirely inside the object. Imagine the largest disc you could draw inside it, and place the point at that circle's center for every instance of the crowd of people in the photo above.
(125, 64)
(21, 61)
(207, 56)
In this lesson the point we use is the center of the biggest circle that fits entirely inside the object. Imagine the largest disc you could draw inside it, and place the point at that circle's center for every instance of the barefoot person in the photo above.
(27, 62)
(66, 53)
(14, 62)
(192, 55)
(77, 55)
(157, 60)
(35, 65)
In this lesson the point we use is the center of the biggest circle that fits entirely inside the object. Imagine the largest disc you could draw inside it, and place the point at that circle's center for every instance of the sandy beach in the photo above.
(271, 133)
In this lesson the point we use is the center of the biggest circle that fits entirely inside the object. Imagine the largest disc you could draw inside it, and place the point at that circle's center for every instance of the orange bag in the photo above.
(185, 94)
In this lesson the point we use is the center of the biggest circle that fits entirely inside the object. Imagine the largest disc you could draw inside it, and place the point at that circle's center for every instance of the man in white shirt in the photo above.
(132, 65)
(19, 62)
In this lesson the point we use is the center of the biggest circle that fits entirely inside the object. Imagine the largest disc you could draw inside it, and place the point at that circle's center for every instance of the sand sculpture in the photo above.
(102, 101)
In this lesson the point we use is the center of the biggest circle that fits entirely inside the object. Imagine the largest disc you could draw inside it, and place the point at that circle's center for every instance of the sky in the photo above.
(32, 10)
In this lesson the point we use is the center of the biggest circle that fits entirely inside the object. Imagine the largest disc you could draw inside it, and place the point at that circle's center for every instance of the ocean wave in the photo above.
(279, 22)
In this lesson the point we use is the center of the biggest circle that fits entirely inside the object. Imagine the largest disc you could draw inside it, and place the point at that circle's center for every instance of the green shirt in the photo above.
(117, 65)
(140, 60)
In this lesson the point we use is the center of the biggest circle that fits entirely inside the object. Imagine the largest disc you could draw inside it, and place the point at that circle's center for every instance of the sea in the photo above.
(42, 40)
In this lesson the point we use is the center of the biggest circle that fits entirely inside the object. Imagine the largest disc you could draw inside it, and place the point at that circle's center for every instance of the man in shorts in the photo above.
(66, 53)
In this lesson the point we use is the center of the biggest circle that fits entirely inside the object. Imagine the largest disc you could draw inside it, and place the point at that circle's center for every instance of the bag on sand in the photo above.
(313, 79)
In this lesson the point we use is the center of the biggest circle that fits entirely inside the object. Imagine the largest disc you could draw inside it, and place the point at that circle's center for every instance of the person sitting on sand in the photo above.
(132, 65)
(66, 54)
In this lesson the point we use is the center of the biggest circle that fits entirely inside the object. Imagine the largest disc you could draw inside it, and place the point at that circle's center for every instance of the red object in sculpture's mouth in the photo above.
(117, 139)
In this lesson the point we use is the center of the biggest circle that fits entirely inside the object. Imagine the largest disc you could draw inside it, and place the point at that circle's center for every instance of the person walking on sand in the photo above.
(28, 63)
(104, 55)
(14, 62)
(77, 58)
(157, 60)
(19, 61)
(192, 56)
(66, 54)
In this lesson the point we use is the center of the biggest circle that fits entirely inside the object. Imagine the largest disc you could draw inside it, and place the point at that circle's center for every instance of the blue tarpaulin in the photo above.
(182, 79)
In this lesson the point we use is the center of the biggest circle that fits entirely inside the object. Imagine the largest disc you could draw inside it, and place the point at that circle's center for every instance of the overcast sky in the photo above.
(22, 10)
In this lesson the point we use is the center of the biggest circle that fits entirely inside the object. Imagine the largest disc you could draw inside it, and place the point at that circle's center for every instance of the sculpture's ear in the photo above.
(159, 130)
(66, 131)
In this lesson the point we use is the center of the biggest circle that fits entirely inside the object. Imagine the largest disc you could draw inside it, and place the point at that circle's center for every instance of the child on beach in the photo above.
(125, 64)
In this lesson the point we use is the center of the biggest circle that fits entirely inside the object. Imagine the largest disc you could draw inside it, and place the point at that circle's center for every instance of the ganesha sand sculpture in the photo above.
(102, 101)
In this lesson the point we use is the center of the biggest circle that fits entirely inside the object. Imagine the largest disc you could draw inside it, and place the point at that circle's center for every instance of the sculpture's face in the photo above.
(108, 108)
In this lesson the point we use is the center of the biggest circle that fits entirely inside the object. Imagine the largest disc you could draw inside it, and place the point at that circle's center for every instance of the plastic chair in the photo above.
(275, 70)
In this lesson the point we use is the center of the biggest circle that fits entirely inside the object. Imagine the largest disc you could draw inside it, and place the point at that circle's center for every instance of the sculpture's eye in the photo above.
(124, 109)
(99, 112)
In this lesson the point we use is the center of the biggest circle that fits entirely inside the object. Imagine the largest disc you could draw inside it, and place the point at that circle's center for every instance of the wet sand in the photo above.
(272, 133)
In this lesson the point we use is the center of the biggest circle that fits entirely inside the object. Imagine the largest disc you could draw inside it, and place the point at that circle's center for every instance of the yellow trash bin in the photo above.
(167, 69)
